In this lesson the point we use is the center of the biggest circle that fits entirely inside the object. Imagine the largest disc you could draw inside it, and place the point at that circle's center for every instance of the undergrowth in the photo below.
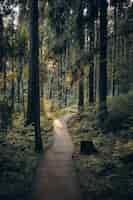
(18, 160)
(107, 175)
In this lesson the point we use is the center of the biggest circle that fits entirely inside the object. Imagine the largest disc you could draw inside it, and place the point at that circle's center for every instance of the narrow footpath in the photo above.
(56, 177)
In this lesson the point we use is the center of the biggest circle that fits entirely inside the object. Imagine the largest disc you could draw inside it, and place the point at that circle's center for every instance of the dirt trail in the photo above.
(56, 178)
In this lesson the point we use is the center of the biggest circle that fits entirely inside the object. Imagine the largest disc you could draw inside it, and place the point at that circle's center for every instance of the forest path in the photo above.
(56, 177)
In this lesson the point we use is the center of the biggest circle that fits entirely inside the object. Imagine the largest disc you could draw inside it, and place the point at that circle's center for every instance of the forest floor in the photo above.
(108, 174)
(18, 159)
(105, 175)
(56, 177)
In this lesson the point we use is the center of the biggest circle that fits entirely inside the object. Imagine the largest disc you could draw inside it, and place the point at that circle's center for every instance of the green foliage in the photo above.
(120, 112)
(118, 103)
(18, 160)
(106, 175)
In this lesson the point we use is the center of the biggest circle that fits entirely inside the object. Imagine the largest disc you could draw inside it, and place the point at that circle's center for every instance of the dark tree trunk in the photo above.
(103, 62)
(91, 71)
(23, 99)
(33, 114)
(51, 88)
(66, 95)
(60, 95)
(5, 78)
(81, 41)
(115, 50)
(1, 43)
(19, 78)
(81, 91)
(12, 88)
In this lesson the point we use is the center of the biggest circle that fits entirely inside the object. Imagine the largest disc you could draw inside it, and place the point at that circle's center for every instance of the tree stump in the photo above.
(87, 148)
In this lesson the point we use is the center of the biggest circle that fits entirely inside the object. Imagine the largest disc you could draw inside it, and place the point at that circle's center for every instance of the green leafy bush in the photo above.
(120, 112)
(118, 103)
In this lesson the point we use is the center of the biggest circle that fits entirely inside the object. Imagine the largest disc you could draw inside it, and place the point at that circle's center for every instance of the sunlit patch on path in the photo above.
(58, 124)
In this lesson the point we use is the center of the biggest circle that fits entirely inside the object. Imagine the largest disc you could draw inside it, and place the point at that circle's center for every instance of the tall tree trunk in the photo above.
(23, 98)
(66, 95)
(12, 87)
(115, 51)
(60, 95)
(91, 72)
(19, 78)
(103, 62)
(1, 43)
(5, 79)
(51, 88)
(96, 59)
(33, 114)
(81, 91)
(81, 41)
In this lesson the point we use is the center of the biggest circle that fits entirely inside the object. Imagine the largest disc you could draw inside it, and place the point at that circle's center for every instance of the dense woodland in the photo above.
(59, 57)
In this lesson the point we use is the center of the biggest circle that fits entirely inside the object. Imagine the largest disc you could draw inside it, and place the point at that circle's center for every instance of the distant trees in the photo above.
(85, 54)
(97, 25)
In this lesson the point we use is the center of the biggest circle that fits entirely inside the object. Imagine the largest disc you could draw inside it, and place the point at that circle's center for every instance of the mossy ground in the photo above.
(107, 175)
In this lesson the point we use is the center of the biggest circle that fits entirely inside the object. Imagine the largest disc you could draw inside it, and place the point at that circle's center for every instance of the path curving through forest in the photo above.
(56, 177)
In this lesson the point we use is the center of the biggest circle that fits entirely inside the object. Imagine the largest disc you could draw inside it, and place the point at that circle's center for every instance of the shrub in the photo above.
(118, 104)
(120, 112)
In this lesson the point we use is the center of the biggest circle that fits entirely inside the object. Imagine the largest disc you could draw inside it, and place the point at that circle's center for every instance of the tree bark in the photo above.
(91, 71)
(103, 62)
(12, 87)
(81, 42)
(1, 43)
(81, 91)
(33, 113)
(115, 50)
